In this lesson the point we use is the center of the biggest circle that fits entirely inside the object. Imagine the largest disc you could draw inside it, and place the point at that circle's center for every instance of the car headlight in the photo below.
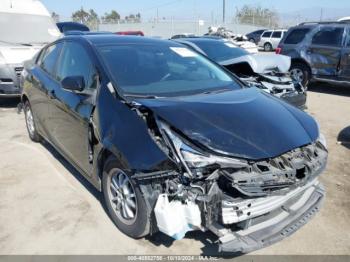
(193, 158)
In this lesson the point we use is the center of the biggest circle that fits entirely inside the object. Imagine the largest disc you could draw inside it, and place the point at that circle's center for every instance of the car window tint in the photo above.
(163, 70)
(75, 61)
(348, 42)
(296, 36)
(277, 34)
(50, 57)
(267, 34)
(331, 36)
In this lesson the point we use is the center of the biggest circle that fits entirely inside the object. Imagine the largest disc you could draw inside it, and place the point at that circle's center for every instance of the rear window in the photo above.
(267, 34)
(331, 36)
(296, 36)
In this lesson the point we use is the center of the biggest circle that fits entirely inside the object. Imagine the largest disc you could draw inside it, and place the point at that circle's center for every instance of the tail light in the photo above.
(278, 50)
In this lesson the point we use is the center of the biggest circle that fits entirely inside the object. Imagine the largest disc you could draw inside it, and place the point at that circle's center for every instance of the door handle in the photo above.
(52, 94)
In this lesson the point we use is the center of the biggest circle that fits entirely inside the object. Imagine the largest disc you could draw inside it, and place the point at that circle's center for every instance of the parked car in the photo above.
(255, 36)
(25, 27)
(270, 39)
(237, 39)
(269, 72)
(72, 26)
(319, 51)
(175, 142)
(137, 33)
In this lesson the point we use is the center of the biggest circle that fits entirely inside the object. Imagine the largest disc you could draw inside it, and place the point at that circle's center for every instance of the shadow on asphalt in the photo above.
(73, 171)
(331, 89)
(208, 239)
(9, 102)
(344, 137)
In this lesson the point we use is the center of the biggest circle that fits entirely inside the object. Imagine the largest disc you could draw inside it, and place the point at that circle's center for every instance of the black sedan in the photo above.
(174, 142)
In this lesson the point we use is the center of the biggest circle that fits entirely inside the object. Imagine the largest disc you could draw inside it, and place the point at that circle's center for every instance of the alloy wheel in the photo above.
(30, 121)
(297, 75)
(122, 196)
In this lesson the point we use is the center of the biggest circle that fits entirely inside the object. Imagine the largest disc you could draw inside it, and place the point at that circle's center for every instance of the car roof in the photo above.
(101, 39)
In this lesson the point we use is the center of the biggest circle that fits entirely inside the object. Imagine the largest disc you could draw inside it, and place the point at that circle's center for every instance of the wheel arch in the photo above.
(301, 61)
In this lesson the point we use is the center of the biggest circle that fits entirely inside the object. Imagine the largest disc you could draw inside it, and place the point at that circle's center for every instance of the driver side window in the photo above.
(75, 61)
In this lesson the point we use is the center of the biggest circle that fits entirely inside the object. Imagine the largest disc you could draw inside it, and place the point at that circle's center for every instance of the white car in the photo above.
(25, 27)
(271, 38)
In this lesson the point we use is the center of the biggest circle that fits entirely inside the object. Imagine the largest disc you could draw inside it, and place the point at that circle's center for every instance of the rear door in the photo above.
(325, 51)
(42, 80)
(70, 111)
(344, 72)
(276, 38)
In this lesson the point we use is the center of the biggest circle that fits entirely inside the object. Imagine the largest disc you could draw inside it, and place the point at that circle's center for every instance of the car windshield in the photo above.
(163, 70)
(27, 29)
(220, 51)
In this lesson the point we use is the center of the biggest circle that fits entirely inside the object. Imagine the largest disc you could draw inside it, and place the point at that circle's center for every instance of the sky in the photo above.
(186, 9)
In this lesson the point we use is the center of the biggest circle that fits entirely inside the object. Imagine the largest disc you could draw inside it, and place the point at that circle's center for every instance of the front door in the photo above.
(325, 51)
(70, 111)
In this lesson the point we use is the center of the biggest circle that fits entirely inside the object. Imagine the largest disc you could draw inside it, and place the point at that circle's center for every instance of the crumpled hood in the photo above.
(262, 63)
(18, 54)
(245, 123)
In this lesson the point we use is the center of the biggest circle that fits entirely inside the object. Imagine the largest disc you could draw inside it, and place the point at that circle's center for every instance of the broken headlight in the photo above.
(193, 158)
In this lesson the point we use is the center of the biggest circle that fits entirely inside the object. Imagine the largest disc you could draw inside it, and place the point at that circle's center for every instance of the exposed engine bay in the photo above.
(269, 73)
(247, 204)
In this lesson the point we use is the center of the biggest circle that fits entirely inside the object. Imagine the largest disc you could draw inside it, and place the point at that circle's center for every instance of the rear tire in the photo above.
(268, 47)
(125, 203)
(300, 73)
(30, 123)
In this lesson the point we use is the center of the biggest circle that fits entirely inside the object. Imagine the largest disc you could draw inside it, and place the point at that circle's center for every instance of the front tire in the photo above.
(124, 201)
(30, 123)
(268, 47)
(300, 73)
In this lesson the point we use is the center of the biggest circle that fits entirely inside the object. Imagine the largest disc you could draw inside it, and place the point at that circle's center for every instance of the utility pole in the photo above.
(223, 11)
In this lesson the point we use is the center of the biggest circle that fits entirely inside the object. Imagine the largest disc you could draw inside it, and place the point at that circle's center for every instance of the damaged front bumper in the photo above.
(246, 207)
(275, 219)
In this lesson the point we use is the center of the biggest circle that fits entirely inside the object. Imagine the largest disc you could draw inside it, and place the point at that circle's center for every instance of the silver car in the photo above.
(271, 38)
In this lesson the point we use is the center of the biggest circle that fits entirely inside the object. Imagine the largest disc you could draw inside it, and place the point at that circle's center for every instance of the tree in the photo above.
(80, 16)
(257, 15)
(55, 17)
(111, 18)
(90, 18)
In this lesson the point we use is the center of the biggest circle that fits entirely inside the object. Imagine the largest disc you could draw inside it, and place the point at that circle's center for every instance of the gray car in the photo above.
(319, 51)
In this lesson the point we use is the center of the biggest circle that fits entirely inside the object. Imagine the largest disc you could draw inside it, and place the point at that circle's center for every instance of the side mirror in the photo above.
(73, 83)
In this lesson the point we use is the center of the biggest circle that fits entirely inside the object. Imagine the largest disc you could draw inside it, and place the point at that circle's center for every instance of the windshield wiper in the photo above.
(216, 91)
(143, 96)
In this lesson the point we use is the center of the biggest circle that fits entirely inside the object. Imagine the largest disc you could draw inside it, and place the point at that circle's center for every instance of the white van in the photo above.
(271, 38)
(25, 27)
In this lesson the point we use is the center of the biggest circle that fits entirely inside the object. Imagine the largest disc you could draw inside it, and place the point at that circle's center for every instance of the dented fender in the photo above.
(116, 124)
